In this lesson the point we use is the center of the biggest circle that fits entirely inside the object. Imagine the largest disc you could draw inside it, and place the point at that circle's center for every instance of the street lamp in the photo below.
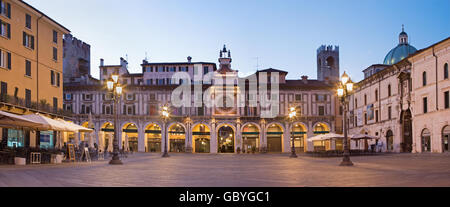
(165, 115)
(115, 88)
(345, 89)
(292, 115)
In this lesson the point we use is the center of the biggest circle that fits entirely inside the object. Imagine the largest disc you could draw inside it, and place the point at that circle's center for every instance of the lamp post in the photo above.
(115, 88)
(292, 115)
(345, 89)
(165, 114)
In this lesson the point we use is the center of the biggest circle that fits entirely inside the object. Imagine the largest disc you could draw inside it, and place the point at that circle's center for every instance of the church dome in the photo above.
(403, 50)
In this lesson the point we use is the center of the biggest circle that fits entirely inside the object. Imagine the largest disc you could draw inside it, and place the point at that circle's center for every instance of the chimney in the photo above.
(189, 59)
(102, 62)
(305, 79)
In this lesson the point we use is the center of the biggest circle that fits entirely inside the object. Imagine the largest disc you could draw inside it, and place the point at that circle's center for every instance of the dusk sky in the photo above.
(282, 34)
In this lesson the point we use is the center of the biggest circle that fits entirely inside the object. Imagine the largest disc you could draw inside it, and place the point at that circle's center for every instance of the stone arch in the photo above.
(130, 131)
(275, 139)
(201, 140)
(299, 132)
(277, 123)
(425, 139)
(328, 127)
(225, 144)
(250, 139)
(176, 132)
(445, 138)
(153, 137)
(252, 123)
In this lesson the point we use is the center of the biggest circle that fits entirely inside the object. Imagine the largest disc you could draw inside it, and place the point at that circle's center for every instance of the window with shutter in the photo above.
(57, 79)
(28, 21)
(9, 60)
(8, 10)
(52, 78)
(55, 36)
(28, 68)
(55, 54)
(5, 29)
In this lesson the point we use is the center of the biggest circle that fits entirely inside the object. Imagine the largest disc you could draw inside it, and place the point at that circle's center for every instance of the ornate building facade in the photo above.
(236, 125)
(405, 100)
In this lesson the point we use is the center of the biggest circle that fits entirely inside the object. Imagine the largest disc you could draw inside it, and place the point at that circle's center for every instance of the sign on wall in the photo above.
(370, 113)
(359, 117)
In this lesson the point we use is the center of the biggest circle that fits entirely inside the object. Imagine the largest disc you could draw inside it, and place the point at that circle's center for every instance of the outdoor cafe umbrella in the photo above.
(323, 137)
(91, 135)
(101, 145)
(91, 140)
(358, 137)
(74, 127)
(48, 123)
(9, 120)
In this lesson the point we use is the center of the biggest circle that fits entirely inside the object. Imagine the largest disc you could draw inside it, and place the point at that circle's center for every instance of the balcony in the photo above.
(42, 107)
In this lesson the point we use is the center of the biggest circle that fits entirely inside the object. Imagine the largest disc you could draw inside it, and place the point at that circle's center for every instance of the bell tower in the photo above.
(328, 63)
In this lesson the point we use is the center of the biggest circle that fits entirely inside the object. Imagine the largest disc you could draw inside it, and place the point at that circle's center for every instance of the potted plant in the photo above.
(20, 156)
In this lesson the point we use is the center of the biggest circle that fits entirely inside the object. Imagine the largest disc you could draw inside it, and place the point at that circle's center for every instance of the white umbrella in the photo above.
(91, 135)
(48, 123)
(101, 145)
(323, 137)
(91, 140)
(74, 127)
(9, 120)
(110, 143)
(126, 144)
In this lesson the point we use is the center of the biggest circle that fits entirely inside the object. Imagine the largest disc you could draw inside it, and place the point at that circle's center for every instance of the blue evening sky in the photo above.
(282, 34)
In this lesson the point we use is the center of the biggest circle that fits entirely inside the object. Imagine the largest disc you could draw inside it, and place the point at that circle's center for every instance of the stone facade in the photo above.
(203, 128)
(431, 112)
(77, 59)
(403, 104)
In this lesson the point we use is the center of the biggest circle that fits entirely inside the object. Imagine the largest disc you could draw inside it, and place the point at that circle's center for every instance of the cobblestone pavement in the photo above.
(231, 170)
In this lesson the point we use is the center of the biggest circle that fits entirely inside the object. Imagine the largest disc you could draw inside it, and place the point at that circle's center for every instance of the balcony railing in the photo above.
(42, 106)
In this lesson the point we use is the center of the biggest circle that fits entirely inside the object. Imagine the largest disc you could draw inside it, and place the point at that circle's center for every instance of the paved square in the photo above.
(197, 170)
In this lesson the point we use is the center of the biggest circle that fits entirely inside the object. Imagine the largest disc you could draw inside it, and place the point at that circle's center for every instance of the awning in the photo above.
(74, 127)
(324, 137)
(48, 123)
(9, 120)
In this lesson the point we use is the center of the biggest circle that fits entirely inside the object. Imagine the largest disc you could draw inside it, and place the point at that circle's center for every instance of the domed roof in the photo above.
(403, 50)
(399, 53)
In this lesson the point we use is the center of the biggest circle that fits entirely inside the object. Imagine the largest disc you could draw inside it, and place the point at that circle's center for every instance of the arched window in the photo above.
(426, 140)
(389, 90)
(390, 140)
(330, 62)
(446, 71)
(424, 78)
